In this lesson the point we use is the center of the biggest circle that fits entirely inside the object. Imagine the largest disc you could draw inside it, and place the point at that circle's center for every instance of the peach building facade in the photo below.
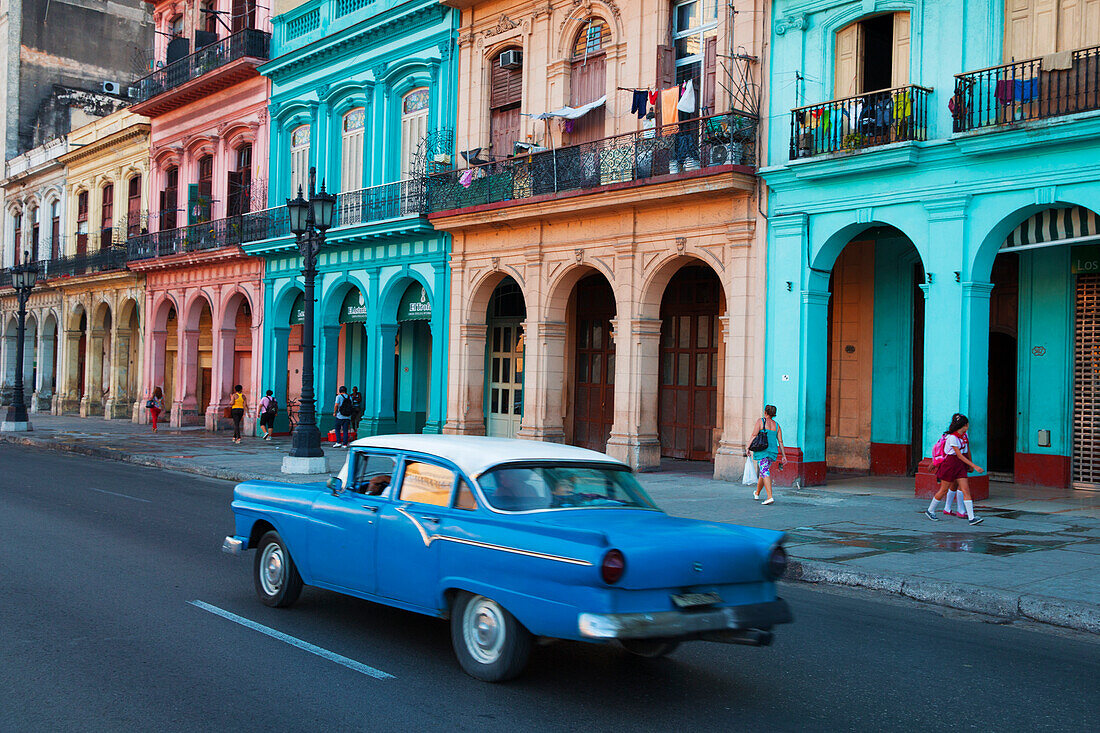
(608, 262)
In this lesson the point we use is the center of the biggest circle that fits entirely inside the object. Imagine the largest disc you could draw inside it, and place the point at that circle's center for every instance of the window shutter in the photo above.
(848, 76)
(1044, 25)
(192, 203)
(1017, 44)
(710, 74)
(1090, 23)
(900, 62)
(505, 85)
(666, 67)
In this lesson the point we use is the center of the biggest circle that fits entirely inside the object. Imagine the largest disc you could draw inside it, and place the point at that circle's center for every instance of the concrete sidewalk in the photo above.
(1036, 556)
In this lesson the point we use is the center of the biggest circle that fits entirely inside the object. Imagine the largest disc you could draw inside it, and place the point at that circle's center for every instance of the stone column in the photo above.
(91, 402)
(221, 374)
(44, 389)
(382, 419)
(544, 381)
(437, 384)
(185, 405)
(634, 438)
(155, 349)
(118, 404)
(69, 388)
(466, 395)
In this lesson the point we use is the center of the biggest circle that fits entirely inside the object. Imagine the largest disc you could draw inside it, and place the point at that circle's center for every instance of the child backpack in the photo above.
(938, 451)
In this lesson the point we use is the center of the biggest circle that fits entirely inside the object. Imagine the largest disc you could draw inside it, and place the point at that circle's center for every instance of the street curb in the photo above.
(961, 596)
(1005, 604)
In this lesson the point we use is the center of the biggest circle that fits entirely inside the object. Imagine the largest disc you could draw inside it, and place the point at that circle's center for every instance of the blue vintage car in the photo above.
(511, 540)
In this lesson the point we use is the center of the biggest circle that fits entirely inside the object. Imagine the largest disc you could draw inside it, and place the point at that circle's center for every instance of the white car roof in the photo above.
(476, 454)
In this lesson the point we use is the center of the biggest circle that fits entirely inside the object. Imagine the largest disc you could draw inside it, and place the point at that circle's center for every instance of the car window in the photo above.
(373, 473)
(464, 498)
(524, 488)
(427, 483)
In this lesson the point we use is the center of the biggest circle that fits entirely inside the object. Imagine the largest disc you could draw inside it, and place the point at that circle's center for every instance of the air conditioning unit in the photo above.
(724, 154)
(511, 59)
(112, 87)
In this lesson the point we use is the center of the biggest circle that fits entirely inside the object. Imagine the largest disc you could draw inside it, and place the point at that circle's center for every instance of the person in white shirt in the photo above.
(954, 468)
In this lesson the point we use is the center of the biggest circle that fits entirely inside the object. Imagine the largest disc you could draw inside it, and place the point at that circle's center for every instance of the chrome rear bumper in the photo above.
(233, 546)
(713, 624)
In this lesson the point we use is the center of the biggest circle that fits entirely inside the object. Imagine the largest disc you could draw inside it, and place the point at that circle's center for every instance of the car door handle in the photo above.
(433, 520)
(371, 507)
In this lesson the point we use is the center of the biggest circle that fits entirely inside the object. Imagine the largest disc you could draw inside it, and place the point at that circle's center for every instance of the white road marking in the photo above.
(304, 645)
(115, 493)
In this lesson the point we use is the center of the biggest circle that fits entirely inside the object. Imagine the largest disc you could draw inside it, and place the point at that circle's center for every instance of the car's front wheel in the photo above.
(650, 648)
(489, 642)
(278, 583)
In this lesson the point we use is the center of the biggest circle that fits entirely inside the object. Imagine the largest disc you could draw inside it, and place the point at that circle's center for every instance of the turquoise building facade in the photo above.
(932, 181)
(364, 94)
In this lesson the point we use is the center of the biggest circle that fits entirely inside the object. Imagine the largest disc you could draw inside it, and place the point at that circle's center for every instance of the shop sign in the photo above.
(1085, 260)
(354, 309)
(298, 311)
(415, 305)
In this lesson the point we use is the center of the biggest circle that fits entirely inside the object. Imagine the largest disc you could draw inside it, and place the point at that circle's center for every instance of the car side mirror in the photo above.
(335, 485)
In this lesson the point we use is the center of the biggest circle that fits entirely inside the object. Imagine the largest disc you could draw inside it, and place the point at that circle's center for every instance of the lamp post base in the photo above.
(305, 464)
(16, 427)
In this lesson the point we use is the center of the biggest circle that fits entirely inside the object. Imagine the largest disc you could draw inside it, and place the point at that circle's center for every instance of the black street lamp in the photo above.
(23, 278)
(309, 220)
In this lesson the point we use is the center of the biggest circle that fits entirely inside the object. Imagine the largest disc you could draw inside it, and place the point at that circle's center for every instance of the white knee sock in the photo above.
(961, 499)
(933, 505)
(950, 500)
(970, 509)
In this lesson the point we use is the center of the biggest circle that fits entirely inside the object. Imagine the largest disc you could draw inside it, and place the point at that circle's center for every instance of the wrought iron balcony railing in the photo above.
(242, 44)
(856, 123)
(199, 237)
(108, 259)
(706, 142)
(266, 224)
(1035, 89)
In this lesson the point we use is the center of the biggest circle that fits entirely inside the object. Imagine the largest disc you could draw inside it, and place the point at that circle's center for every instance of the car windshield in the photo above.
(524, 488)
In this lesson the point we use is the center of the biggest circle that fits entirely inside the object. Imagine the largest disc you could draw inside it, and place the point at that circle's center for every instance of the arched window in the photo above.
(200, 195)
(299, 160)
(588, 78)
(35, 231)
(240, 181)
(55, 229)
(414, 126)
(505, 100)
(351, 150)
(169, 198)
(133, 206)
(17, 230)
(82, 223)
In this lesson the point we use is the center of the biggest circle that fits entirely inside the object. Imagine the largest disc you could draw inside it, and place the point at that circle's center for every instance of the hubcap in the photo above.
(271, 569)
(483, 629)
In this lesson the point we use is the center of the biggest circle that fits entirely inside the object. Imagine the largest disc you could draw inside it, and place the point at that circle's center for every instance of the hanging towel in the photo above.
(687, 99)
(903, 106)
(638, 102)
(1026, 89)
(1061, 60)
(669, 99)
(653, 98)
(1004, 92)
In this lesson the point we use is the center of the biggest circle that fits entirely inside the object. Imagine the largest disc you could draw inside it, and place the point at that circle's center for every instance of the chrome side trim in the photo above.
(429, 539)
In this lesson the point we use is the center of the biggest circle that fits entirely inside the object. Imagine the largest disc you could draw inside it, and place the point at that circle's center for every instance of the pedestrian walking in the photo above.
(768, 454)
(356, 398)
(155, 405)
(955, 506)
(237, 407)
(266, 411)
(343, 411)
(954, 468)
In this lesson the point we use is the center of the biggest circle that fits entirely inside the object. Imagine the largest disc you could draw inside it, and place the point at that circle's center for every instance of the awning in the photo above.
(354, 308)
(573, 113)
(1052, 227)
(298, 311)
(415, 305)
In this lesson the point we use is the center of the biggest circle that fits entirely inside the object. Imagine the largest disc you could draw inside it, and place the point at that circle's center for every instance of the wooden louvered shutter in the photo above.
(899, 69)
(710, 74)
(848, 76)
(1044, 24)
(506, 86)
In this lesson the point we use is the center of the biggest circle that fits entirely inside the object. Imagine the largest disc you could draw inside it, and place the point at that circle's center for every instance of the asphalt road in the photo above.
(101, 562)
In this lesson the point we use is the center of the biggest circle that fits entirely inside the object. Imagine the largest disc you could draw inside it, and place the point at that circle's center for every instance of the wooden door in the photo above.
(688, 403)
(594, 368)
(505, 403)
(588, 82)
(205, 383)
(503, 131)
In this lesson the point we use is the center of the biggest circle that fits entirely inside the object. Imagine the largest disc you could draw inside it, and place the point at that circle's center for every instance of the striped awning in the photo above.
(1072, 225)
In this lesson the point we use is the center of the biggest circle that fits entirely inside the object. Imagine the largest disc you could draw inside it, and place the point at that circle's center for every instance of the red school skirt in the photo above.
(952, 469)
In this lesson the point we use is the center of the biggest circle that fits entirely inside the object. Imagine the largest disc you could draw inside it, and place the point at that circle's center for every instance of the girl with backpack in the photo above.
(954, 467)
(769, 454)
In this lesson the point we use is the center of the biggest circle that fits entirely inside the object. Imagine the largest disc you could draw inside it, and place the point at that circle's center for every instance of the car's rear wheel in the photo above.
(650, 648)
(276, 577)
(489, 642)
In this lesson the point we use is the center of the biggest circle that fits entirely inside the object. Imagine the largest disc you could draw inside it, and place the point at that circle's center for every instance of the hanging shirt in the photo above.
(687, 99)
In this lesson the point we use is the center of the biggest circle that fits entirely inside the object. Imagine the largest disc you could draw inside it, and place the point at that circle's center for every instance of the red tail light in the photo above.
(612, 567)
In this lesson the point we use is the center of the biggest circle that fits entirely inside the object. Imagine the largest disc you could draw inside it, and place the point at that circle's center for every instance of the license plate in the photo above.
(691, 600)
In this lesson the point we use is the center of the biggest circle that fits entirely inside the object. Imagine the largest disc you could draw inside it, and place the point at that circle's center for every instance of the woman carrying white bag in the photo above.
(767, 449)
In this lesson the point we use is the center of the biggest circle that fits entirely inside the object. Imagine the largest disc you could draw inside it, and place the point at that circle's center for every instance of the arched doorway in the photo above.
(47, 380)
(294, 349)
(30, 360)
(593, 306)
(875, 362)
(413, 359)
(504, 360)
(690, 363)
(99, 368)
(80, 357)
(170, 358)
(352, 360)
(204, 382)
(126, 358)
(1003, 328)
(236, 346)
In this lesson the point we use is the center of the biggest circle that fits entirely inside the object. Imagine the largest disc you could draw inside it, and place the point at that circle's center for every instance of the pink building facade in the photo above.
(208, 169)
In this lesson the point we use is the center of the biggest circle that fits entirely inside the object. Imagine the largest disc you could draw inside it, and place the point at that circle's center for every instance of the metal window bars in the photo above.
(860, 122)
(690, 145)
(1034, 89)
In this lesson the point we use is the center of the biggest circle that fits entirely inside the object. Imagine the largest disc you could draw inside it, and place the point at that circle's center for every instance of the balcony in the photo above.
(108, 259)
(222, 64)
(692, 145)
(858, 123)
(365, 206)
(1027, 90)
(200, 237)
